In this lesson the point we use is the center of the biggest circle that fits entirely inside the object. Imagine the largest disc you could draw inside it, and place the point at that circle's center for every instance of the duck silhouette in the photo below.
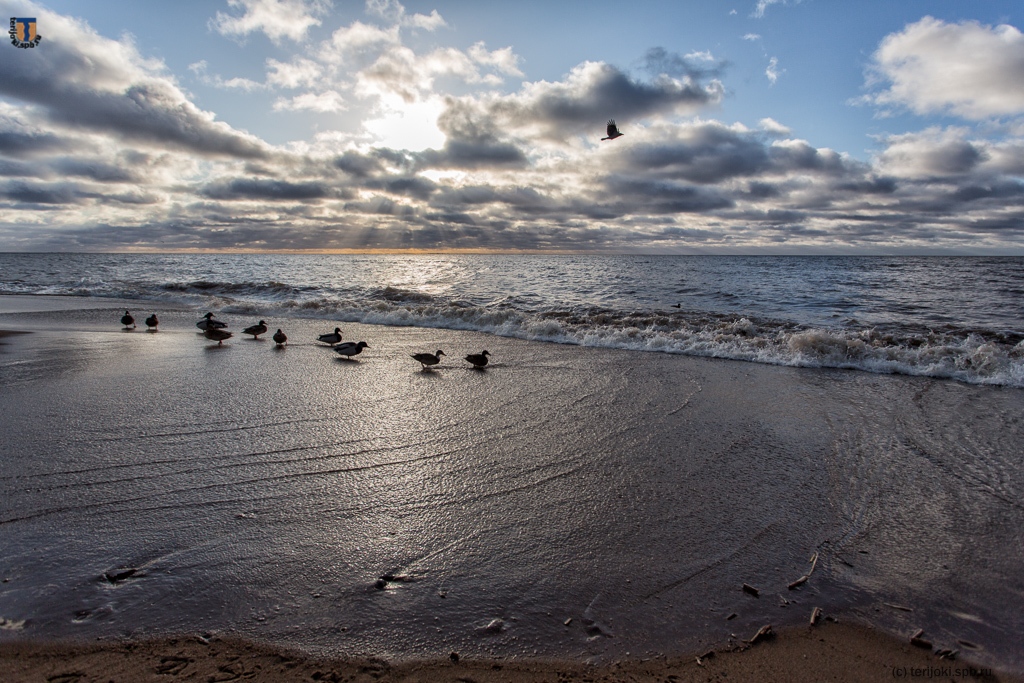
(426, 359)
(350, 349)
(217, 335)
(256, 330)
(331, 338)
(479, 360)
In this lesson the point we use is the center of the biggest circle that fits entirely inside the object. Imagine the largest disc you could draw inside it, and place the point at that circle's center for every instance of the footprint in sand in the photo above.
(172, 666)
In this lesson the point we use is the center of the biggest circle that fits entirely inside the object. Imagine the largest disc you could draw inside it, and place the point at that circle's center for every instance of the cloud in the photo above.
(930, 153)
(278, 19)
(772, 70)
(266, 189)
(763, 5)
(394, 12)
(325, 101)
(107, 152)
(591, 93)
(966, 69)
(85, 81)
(298, 73)
(214, 81)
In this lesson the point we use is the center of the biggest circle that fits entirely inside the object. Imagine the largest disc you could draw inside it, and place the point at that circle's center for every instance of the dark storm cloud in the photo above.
(797, 155)
(709, 153)
(93, 169)
(1002, 191)
(869, 186)
(39, 193)
(409, 186)
(16, 143)
(658, 196)
(271, 190)
(474, 154)
(358, 165)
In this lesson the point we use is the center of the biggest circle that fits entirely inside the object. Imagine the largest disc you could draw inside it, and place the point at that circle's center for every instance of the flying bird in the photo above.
(479, 360)
(256, 330)
(426, 359)
(209, 323)
(280, 337)
(217, 335)
(152, 322)
(331, 338)
(350, 349)
(127, 320)
(613, 130)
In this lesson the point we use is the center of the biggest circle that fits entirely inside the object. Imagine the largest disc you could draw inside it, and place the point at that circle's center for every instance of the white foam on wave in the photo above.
(963, 355)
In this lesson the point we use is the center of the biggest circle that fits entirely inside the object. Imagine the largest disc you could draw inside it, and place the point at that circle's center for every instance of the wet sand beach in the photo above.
(569, 505)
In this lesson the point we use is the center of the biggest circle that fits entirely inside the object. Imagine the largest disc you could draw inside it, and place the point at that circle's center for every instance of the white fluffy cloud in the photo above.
(966, 69)
(278, 19)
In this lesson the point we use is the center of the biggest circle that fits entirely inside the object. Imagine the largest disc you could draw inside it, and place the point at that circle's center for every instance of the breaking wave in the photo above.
(977, 356)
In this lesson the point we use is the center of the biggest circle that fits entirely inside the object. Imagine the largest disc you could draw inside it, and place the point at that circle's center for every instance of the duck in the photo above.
(478, 360)
(209, 323)
(280, 337)
(127, 320)
(351, 348)
(217, 335)
(331, 338)
(426, 359)
(152, 322)
(256, 330)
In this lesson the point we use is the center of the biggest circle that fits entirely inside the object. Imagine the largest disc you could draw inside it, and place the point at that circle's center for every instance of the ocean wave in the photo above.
(976, 356)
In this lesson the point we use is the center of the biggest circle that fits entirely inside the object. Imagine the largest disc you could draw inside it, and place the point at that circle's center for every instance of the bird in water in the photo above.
(677, 305)
(209, 323)
(426, 359)
(127, 320)
(479, 360)
(152, 322)
(331, 338)
(613, 131)
(256, 330)
(350, 349)
(280, 337)
(217, 335)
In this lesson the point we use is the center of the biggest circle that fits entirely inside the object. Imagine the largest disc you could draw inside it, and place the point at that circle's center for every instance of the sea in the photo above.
(952, 317)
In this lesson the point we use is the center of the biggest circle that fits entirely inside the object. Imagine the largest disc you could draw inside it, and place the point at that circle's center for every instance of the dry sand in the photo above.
(828, 652)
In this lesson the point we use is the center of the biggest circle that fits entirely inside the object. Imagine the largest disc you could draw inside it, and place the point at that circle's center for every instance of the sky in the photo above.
(754, 126)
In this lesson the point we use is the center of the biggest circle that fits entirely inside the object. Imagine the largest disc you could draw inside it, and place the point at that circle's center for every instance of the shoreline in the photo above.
(710, 428)
(839, 652)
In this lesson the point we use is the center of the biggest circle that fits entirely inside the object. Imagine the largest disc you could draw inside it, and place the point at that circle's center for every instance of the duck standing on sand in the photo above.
(256, 330)
(350, 349)
(280, 337)
(127, 320)
(217, 335)
(331, 338)
(479, 360)
(426, 359)
(152, 322)
(209, 323)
